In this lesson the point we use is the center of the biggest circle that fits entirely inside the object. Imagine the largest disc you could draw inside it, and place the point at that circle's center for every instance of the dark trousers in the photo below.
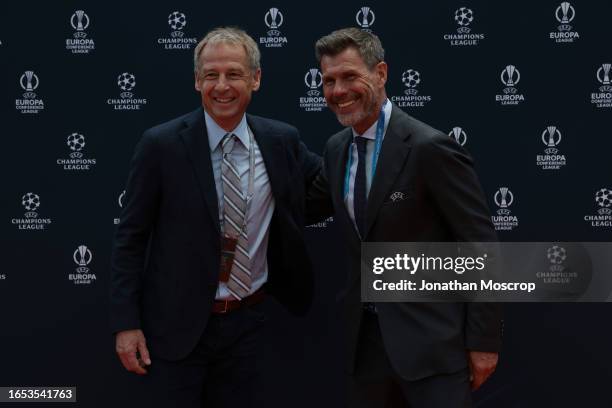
(222, 371)
(374, 384)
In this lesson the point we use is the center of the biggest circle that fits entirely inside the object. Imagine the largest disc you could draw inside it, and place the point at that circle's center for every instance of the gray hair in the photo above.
(231, 35)
(368, 45)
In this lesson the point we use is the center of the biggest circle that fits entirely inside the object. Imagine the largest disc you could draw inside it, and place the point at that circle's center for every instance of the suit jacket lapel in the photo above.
(393, 154)
(272, 153)
(195, 138)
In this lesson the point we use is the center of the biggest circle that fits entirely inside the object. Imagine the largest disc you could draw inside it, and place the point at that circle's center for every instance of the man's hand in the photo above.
(482, 365)
(127, 343)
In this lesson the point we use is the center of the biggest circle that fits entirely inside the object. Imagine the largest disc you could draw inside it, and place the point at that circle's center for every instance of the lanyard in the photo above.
(380, 129)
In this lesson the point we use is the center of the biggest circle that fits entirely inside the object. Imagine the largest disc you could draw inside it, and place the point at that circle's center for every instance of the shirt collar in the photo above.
(216, 132)
(371, 132)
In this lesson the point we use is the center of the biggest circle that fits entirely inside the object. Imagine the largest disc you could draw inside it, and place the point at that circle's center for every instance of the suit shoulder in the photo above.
(274, 125)
(171, 127)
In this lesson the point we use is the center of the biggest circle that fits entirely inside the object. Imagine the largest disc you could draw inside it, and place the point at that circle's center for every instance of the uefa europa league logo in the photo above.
(365, 18)
(313, 80)
(459, 135)
(510, 76)
(564, 14)
(603, 76)
(504, 199)
(273, 19)
(551, 137)
(79, 21)
(82, 257)
(29, 82)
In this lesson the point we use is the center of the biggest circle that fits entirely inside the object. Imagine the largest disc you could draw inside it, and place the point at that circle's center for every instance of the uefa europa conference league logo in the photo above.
(603, 218)
(126, 83)
(76, 143)
(365, 18)
(82, 258)
(80, 44)
(551, 159)
(177, 40)
(120, 202)
(31, 221)
(603, 99)
(314, 101)
(510, 77)
(459, 135)
(30, 103)
(564, 14)
(411, 98)
(464, 37)
(273, 20)
(504, 220)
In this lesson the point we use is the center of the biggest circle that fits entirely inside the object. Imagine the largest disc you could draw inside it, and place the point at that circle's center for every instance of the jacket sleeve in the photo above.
(141, 203)
(454, 186)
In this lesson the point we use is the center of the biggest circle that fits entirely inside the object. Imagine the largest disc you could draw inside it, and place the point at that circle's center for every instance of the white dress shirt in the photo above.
(262, 203)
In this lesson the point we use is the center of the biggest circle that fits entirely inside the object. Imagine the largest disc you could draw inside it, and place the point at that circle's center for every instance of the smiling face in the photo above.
(353, 91)
(226, 82)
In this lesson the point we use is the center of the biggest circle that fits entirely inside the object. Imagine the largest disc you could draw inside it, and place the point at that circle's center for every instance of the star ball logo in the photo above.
(313, 102)
(603, 98)
(30, 103)
(120, 202)
(463, 17)
(504, 220)
(411, 79)
(126, 83)
(557, 272)
(31, 202)
(510, 77)
(551, 159)
(458, 135)
(365, 18)
(177, 40)
(603, 200)
(82, 257)
(80, 44)
(76, 162)
(273, 19)
(564, 14)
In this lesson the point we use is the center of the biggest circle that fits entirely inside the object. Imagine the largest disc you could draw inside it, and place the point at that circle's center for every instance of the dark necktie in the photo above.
(360, 199)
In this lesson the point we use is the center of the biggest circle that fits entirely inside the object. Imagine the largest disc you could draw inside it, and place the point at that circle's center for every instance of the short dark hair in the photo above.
(367, 44)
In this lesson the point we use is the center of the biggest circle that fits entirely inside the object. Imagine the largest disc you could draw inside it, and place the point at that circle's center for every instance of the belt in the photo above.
(229, 305)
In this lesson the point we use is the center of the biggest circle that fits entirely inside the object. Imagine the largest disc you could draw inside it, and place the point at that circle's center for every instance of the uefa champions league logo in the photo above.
(411, 78)
(603, 199)
(464, 17)
(273, 19)
(29, 82)
(76, 143)
(313, 80)
(177, 21)
(365, 18)
(30, 202)
(556, 256)
(459, 135)
(126, 82)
